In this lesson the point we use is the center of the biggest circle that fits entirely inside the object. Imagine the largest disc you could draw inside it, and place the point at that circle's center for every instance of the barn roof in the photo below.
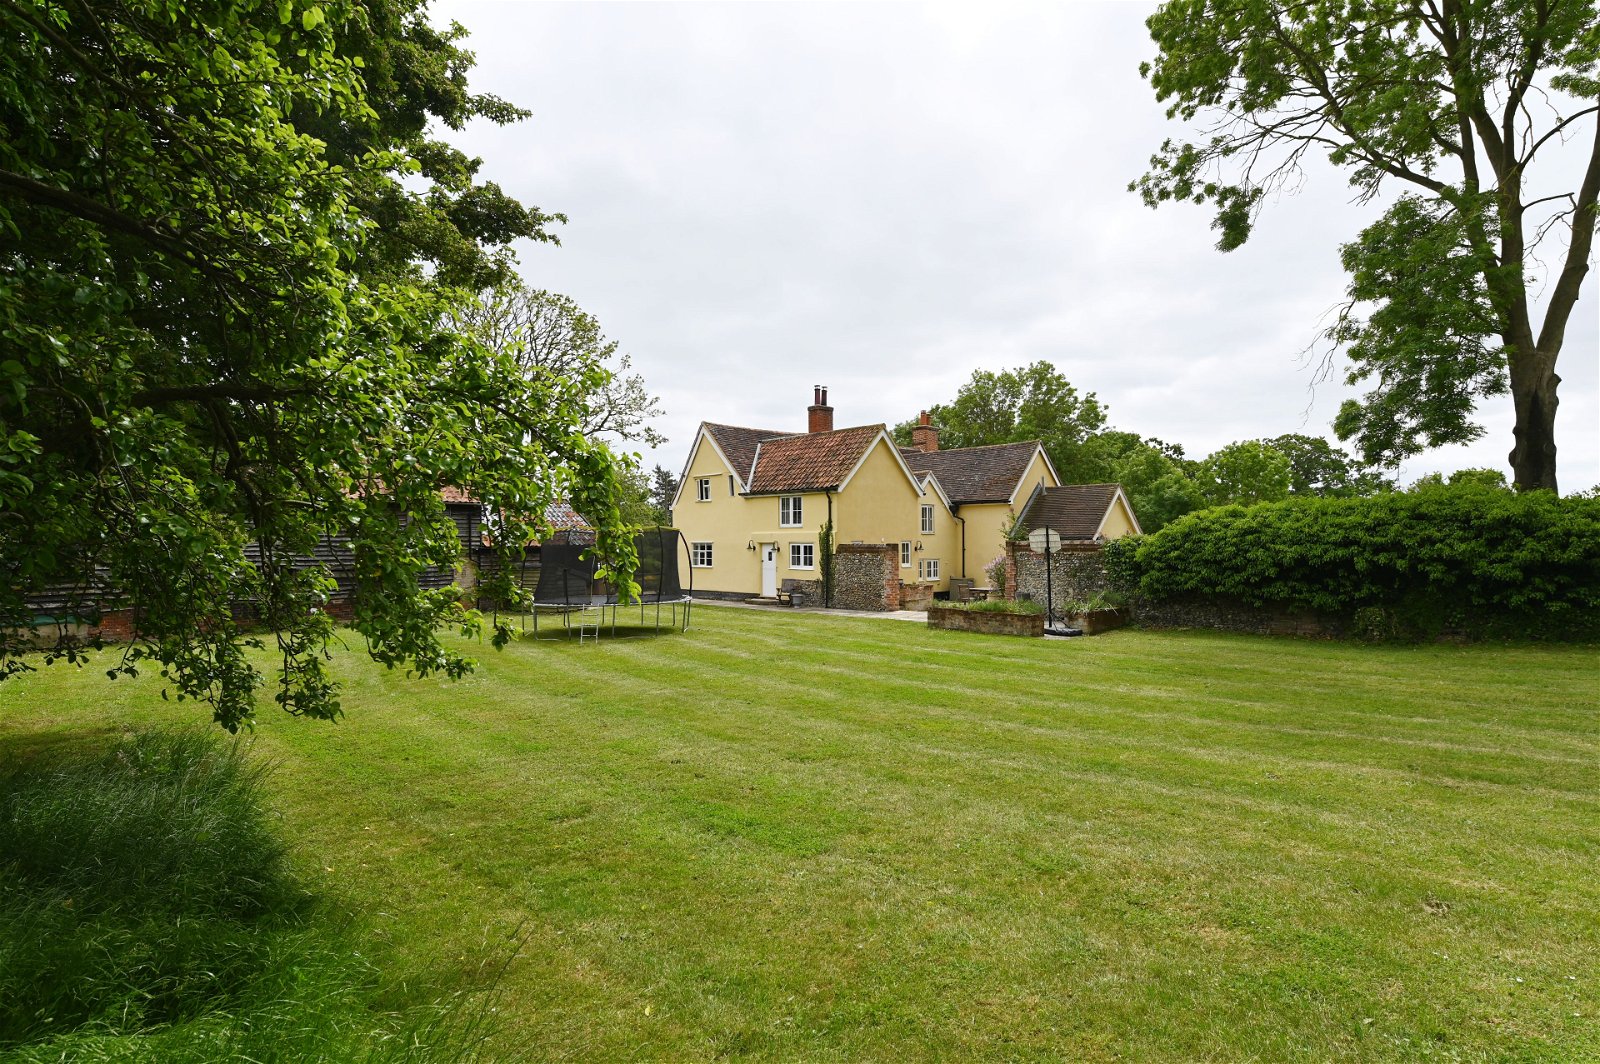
(1076, 511)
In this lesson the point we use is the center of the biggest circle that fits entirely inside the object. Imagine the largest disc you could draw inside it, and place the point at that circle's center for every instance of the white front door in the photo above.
(769, 570)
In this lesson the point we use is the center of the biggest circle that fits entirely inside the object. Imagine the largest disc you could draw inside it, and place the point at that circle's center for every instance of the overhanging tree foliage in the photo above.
(221, 337)
(1456, 100)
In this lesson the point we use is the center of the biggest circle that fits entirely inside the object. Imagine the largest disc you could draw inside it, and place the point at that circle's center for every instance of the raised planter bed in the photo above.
(989, 623)
(1093, 622)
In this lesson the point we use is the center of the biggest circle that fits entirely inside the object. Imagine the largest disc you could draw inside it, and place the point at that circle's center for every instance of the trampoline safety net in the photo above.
(568, 580)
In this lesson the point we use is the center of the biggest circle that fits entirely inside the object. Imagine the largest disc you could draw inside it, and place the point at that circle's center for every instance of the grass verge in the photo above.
(787, 836)
(148, 912)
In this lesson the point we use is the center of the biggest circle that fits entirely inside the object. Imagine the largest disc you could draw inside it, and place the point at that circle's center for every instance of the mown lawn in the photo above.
(792, 837)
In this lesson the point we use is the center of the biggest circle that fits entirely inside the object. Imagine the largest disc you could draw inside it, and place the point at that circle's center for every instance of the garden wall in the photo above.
(1077, 572)
(916, 596)
(1227, 616)
(866, 576)
(1027, 624)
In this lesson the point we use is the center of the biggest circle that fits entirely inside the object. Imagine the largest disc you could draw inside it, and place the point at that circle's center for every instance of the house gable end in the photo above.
(704, 437)
(931, 481)
(1119, 499)
(882, 439)
(1022, 478)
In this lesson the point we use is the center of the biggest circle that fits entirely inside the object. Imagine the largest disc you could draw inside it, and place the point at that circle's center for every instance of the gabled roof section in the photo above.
(976, 474)
(927, 482)
(1077, 511)
(738, 445)
(561, 517)
(810, 461)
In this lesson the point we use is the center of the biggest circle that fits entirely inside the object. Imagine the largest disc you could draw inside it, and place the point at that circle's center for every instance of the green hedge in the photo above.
(1407, 564)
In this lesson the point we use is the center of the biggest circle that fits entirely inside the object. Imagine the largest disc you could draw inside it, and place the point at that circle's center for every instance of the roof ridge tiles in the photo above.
(831, 432)
(810, 461)
(751, 428)
(986, 446)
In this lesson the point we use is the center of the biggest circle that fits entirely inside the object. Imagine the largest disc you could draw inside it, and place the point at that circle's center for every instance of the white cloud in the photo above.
(883, 198)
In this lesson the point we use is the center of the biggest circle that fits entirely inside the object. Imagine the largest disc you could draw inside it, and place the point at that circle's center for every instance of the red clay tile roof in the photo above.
(739, 445)
(562, 517)
(559, 515)
(813, 461)
(1075, 510)
(975, 474)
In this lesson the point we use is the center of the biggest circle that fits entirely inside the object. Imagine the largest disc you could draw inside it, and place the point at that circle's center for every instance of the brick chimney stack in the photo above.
(924, 437)
(819, 413)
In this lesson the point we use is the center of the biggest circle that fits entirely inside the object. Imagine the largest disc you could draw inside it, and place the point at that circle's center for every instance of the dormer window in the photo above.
(789, 511)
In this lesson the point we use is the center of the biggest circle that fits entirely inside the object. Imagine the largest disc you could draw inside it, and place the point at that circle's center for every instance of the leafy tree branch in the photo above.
(1433, 94)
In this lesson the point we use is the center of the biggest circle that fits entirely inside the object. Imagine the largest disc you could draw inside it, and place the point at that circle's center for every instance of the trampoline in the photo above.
(569, 588)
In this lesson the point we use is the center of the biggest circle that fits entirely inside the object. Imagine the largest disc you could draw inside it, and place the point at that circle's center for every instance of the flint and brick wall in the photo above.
(866, 576)
(1236, 617)
(1077, 572)
(116, 626)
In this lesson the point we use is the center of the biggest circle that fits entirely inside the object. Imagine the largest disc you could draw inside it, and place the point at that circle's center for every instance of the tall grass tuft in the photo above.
(148, 912)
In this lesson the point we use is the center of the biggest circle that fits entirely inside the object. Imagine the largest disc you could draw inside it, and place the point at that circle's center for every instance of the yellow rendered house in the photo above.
(752, 502)
(985, 487)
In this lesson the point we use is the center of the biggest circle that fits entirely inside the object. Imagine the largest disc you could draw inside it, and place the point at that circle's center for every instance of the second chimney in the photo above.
(924, 437)
(819, 415)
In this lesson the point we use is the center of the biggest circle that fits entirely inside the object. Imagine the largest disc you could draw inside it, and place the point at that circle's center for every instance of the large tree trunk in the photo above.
(1533, 392)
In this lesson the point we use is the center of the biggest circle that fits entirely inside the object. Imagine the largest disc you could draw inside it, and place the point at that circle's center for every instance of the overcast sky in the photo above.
(881, 199)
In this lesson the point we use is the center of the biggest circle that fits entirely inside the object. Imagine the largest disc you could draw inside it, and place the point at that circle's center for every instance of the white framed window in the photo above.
(802, 556)
(700, 555)
(905, 554)
(789, 511)
(927, 519)
(929, 569)
(702, 489)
